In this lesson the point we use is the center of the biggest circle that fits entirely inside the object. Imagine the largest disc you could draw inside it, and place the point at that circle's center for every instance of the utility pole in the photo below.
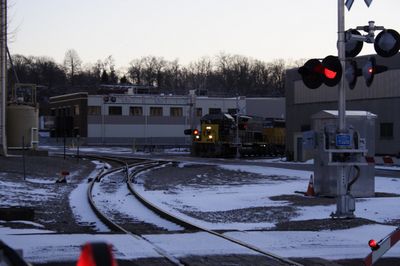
(3, 76)
(342, 203)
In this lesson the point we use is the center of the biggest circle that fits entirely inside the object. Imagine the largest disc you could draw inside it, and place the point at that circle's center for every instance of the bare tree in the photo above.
(277, 76)
(135, 71)
(199, 73)
(72, 64)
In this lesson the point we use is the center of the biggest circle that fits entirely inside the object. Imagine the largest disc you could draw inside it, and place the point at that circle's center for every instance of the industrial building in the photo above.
(145, 119)
(382, 99)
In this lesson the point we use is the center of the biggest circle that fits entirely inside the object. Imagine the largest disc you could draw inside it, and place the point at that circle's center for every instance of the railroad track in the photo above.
(146, 165)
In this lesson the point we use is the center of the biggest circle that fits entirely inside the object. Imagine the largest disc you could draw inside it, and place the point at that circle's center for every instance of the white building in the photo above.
(126, 119)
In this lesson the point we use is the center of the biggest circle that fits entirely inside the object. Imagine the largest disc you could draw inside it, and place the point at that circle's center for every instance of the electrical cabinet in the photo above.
(333, 149)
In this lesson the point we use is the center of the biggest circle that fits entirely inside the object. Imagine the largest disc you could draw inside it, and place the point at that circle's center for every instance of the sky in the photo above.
(186, 29)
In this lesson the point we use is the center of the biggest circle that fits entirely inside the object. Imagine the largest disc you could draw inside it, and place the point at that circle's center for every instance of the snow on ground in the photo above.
(338, 244)
(80, 205)
(66, 247)
(129, 207)
(223, 198)
(334, 245)
(42, 245)
(115, 150)
(13, 193)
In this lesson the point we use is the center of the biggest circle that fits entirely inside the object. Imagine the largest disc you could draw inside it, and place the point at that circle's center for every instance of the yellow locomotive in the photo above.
(218, 134)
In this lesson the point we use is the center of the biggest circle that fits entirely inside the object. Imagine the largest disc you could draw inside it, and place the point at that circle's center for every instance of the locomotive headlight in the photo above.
(208, 127)
(210, 137)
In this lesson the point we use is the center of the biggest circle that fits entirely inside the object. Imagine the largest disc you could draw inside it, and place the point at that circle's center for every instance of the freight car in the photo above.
(217, 136)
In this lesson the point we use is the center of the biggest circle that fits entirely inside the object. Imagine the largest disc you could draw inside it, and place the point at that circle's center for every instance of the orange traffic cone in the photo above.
(310, 189)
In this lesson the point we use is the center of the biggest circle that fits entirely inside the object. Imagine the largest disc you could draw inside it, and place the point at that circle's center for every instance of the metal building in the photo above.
(381, 98)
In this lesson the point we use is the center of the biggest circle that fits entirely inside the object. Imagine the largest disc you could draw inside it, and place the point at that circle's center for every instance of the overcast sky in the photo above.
(187, 29)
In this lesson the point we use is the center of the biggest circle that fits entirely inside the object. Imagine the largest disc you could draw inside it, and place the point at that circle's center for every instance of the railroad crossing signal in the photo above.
(349, 3)
(352, 73)
(314, 72)
(387, 43)
(353, 47)
(370, 69)
(329, 71)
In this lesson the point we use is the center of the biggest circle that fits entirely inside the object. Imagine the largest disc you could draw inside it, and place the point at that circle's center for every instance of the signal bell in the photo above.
(314, 73)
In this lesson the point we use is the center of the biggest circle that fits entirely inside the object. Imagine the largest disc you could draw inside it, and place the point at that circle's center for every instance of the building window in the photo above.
(76, 109)
(115, 110)
(156, 111)
(136, 111)
(213, 111)
(176, 111)
(199, 112)
(94, 110)
(386, 130)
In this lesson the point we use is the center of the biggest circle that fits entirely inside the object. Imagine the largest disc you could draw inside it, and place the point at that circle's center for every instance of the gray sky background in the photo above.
(187, 29)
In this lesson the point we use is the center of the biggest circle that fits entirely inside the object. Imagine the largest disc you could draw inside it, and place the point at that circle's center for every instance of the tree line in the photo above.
(222, 75)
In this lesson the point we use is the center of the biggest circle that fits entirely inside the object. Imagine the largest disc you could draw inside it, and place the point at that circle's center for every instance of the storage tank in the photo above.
(22, 121)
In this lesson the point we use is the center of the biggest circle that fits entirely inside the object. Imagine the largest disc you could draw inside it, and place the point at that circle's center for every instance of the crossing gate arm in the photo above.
(384, 245)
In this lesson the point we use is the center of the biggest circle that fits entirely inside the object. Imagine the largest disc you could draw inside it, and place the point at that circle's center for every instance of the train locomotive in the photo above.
(217, 136)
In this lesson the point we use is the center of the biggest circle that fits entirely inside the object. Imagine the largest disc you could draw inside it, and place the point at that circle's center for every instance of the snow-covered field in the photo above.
(39, 245)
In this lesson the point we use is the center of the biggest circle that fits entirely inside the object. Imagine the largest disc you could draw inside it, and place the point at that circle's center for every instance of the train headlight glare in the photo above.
(210, 136)
(208, 127)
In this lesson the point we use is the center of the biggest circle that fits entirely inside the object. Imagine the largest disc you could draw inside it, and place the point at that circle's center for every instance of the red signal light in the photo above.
(373, 244)
(92, 253)
(332, 70)
(329, 73)
(314, 72)
(195, 132)
(370, 70)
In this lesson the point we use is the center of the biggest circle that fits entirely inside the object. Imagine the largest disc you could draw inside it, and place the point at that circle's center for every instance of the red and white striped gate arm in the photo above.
(384, 245)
